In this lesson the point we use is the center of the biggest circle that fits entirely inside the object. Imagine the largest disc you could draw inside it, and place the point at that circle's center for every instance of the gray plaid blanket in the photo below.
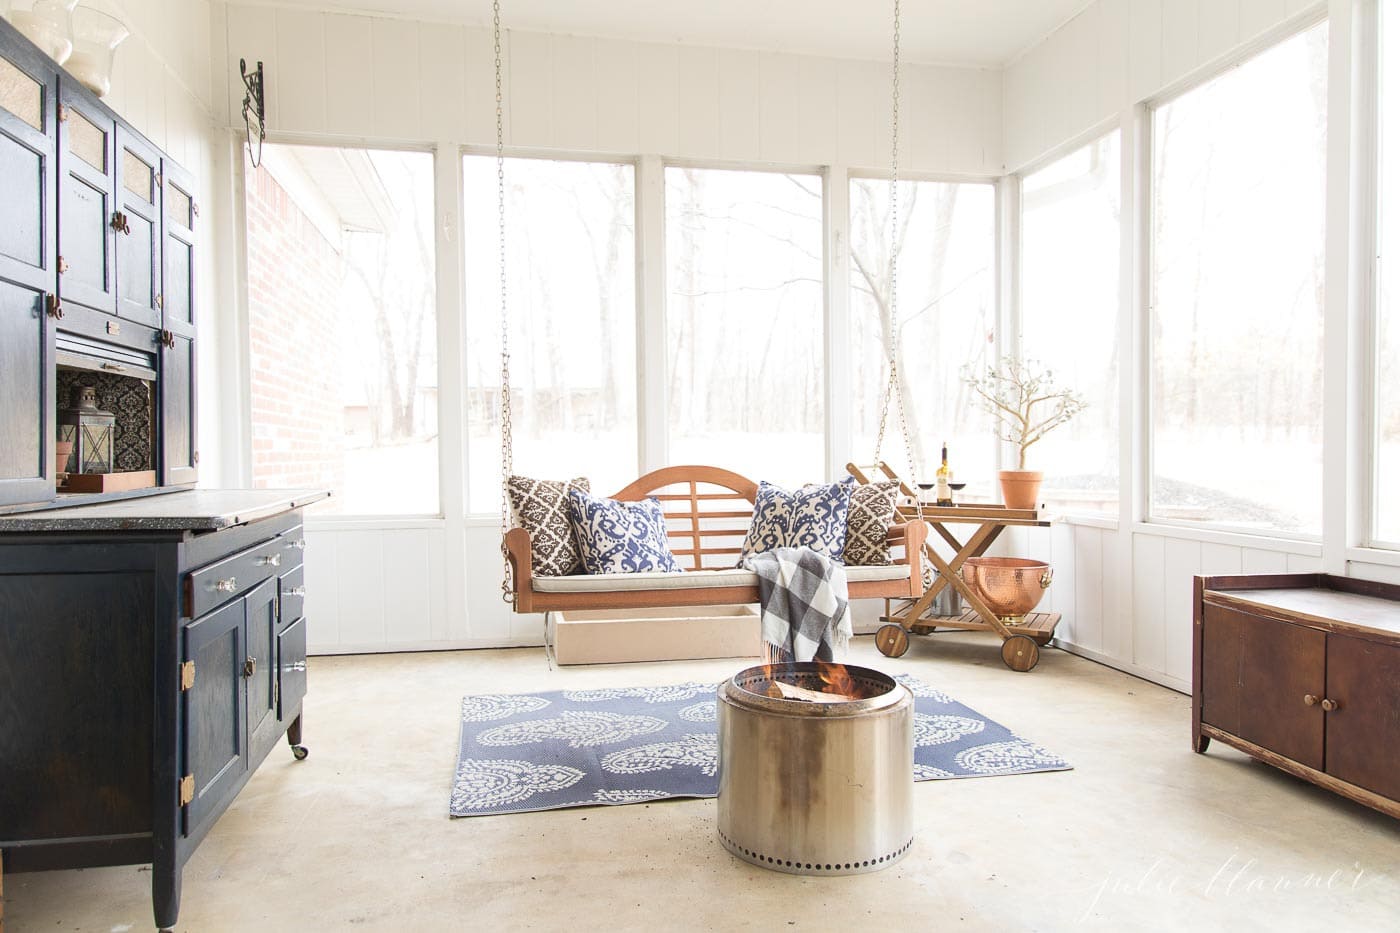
(804, 604)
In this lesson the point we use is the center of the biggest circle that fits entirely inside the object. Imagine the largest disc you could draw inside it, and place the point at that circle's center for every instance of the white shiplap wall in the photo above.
(1125, 589)
(377, 586)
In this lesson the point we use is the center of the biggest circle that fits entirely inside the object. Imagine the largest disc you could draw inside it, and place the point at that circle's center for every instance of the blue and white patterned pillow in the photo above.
(813, 516)
(620, 537)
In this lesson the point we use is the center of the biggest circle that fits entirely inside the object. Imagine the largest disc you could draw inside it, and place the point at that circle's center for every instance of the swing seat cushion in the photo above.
(691, 580)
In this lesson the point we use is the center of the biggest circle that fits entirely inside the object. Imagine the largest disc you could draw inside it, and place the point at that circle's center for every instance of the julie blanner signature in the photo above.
(1236, 877)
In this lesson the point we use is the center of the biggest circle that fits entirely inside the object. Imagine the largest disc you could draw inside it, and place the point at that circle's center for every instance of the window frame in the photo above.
(1368, 54)
(1145, 168)
(241, 389)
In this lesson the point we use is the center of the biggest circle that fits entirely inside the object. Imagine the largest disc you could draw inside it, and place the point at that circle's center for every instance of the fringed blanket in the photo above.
(804, 603)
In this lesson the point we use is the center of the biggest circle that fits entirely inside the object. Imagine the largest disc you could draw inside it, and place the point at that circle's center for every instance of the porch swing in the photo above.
(708, 509)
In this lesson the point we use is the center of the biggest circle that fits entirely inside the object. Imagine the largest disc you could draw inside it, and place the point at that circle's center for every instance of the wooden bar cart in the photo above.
(1021, 642)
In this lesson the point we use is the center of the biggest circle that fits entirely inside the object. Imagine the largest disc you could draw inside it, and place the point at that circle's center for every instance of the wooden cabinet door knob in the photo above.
(1309, 700)
(1331, 706)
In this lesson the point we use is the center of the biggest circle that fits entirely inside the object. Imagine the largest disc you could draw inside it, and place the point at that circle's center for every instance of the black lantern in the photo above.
(90, 429)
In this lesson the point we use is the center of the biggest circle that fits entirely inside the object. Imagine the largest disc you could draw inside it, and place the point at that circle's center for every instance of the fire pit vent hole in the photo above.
(763, 858)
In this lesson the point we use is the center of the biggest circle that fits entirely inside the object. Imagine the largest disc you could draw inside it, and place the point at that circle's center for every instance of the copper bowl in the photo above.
(1010, 586)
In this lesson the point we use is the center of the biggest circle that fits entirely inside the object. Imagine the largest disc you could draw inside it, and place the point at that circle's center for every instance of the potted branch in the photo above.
(1023, 398)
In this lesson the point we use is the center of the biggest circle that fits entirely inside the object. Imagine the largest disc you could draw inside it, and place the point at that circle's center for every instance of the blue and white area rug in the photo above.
(583, 748)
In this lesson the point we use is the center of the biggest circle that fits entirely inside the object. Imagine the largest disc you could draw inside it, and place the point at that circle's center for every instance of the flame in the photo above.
(837, 679)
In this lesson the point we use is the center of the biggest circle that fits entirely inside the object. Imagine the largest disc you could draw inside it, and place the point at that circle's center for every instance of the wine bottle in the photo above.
(945, 476)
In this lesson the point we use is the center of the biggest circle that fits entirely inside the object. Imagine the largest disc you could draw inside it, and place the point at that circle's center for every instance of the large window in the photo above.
(946, 319)
(1070, 241)
(1239, 179)
(744, 321)
(1386, 463)
(342, 327)
(571, 264)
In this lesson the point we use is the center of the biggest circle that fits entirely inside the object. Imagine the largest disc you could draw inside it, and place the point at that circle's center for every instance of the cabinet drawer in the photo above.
(222, 580)
(291, 591)
(291, 669)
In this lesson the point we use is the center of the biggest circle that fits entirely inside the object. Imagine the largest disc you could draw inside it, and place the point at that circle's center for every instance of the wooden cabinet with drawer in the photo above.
(135, 700)
(1303, 671)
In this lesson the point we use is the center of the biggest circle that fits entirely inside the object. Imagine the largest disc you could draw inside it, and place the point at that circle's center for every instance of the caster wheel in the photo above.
(1020, 653)
(299, 752)
(892, 640)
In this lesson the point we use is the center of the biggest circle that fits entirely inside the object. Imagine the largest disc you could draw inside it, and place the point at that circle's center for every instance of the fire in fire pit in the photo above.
(816, 768)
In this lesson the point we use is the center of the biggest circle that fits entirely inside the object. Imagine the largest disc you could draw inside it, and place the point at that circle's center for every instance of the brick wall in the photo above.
(294, 341)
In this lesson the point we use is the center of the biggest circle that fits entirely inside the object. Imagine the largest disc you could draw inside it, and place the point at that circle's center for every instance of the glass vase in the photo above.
(46, 23)
(95, 39)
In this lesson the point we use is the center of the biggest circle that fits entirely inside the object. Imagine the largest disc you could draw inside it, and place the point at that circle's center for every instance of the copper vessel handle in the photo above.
(1047, 577)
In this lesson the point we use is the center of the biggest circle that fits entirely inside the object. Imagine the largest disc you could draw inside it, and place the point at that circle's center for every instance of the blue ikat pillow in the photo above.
(813, 516)
(620, 537)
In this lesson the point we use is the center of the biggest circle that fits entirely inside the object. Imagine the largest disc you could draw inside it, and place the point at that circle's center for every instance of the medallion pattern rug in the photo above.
(584, 748)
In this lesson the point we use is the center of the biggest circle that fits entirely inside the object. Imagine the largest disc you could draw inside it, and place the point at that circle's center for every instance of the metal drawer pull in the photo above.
(270, 560)
(1331, 706)
(114, 367)
(250, 667)
(297, 591)
(1309, 700)
(299, 666)
(299, 544)
(226, 586)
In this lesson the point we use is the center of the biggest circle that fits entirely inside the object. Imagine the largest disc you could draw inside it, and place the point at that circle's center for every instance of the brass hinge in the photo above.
(62, 265)
(186, 789)
(160, 301)
(276, 692)
(160, 179)
(195, 459)
(187, 675)
(194, 206)
(62, 114)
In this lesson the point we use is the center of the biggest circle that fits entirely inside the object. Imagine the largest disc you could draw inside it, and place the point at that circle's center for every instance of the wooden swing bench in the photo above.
(708, 511)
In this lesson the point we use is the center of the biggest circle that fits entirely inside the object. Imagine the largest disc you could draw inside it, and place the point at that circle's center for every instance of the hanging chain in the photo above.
(507, 587)
(893, 392)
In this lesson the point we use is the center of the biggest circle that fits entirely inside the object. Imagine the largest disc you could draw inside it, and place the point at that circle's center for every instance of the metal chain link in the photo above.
(893, 392)
(507, 584)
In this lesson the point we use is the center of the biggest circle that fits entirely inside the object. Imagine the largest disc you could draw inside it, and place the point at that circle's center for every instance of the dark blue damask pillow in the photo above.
(620, 537)
(813, 516)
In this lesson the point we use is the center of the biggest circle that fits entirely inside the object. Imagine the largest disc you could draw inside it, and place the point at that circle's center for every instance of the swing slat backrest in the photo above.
(707, 510)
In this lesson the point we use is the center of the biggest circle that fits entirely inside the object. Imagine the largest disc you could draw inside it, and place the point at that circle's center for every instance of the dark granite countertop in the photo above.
(190, 510)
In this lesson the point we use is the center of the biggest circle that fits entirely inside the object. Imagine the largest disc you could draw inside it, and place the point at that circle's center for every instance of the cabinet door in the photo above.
(138, 242)
(86, 240)
(179, 440)
(1256, 672)
(1363, 732)
(28, 277)
(215, 722)
(260, 606)
(291, 670)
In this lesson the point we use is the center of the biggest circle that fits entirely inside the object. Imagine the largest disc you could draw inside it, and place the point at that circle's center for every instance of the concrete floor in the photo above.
(1143, 835)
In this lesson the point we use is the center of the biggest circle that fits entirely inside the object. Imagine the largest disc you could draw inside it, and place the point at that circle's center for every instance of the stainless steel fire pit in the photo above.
(816, 788)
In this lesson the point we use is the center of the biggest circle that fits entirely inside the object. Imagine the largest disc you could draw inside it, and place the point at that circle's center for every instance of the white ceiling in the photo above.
(960, 32)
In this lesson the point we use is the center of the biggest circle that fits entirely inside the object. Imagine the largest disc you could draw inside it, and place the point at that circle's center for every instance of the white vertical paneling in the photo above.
(738, 77)
(398, 94)
(698, 102)
(1145, 75)
(1257, 16)
(406, 584)
(1078, 103)
(658, 69)
(442, 601)
(1180, 39)
(1304, 563)
(1116, 629)
(1181, 560)
(1256, 560)
(442, 75)
(1219, 28)
(349, 83)
(779, 95)
(252, 35)
(1088, 588)
(858, 85)
(1221, 559)
(301, 68)
(322, 576)
(1149, 603)
(479, 102)
(1114, 55)
(1385, 573)
(1062, 595)
(574, 95)
(531, 84)
(817, 125)
(363, 617)
(618, 102)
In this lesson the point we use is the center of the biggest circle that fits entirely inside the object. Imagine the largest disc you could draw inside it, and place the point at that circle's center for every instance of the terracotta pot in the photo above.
(62, 451)
(1020, 489)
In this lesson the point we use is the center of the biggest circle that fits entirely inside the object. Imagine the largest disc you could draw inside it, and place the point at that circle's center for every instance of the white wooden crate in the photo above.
(685, 633)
